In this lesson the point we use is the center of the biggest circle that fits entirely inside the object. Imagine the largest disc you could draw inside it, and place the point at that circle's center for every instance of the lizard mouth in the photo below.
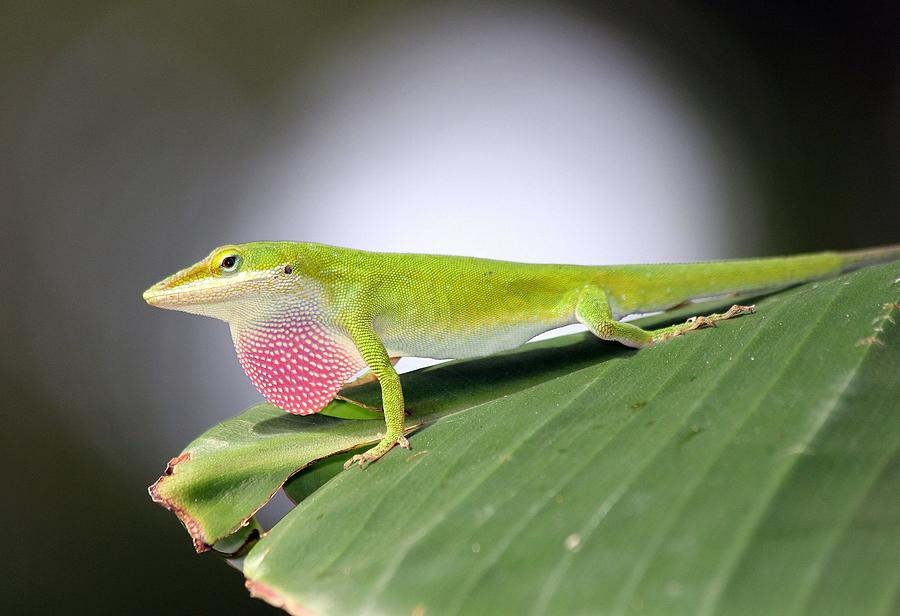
(188, 287)
(161, 297)
(192, 296)
(166, 298)
(179, 289)
(194, 287)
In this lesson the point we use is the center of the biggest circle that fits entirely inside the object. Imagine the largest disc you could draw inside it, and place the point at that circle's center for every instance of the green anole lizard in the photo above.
(305, 318)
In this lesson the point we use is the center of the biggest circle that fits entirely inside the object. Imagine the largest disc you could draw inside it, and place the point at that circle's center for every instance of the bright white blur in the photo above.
(531, 139)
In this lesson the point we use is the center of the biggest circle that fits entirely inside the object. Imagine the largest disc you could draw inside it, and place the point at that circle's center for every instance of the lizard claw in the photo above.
(362, 460)
(736, 310)
(700, 322)
(710, 321)
(359, 460)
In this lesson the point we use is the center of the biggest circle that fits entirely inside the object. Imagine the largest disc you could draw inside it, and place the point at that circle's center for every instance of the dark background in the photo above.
(136, 136)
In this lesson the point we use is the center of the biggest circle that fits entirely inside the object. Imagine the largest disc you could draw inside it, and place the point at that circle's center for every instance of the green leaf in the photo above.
(752, 468)
(239, 543)
(227, 474)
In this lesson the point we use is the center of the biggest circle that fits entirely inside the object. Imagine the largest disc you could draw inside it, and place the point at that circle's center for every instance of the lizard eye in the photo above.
(230, 264)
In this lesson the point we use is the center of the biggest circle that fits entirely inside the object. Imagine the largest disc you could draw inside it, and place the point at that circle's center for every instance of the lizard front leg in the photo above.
(368, 377)
(381, 366)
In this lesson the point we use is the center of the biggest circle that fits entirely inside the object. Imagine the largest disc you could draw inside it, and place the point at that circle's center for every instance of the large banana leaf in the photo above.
(753, 468)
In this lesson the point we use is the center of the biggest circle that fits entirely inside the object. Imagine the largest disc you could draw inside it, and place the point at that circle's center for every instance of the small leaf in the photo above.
(238, 544)
(232, 470)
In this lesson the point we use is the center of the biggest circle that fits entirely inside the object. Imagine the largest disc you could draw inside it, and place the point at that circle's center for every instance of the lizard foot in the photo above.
(385, 445)
(710, 321)
(700, 322)
(737, 310)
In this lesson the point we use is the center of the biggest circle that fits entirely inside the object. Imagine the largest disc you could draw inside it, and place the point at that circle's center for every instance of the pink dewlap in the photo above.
(297, 364)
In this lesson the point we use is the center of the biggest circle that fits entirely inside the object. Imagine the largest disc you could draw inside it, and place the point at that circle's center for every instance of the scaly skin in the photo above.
(306, 317)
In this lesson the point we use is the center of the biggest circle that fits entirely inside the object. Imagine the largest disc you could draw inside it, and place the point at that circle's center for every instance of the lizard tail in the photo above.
(667, 285)
(855, 259)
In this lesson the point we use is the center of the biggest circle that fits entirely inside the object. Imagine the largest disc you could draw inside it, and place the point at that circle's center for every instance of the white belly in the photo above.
(482, 341)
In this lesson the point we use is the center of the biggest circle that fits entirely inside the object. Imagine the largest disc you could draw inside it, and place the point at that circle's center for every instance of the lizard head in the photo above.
(217, 285)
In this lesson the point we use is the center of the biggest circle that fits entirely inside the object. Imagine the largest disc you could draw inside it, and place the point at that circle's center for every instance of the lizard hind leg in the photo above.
(594, 312)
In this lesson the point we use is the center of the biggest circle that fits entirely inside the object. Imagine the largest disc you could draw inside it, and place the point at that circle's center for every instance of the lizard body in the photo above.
(306, 317)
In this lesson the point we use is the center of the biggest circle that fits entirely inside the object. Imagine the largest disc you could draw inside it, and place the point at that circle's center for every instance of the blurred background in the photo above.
(137, 136)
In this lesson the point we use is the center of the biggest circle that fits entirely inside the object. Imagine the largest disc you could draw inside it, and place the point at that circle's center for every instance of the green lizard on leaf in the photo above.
(305, 318)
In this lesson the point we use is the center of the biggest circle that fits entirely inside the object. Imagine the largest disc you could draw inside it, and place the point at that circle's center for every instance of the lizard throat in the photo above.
(296, 362)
